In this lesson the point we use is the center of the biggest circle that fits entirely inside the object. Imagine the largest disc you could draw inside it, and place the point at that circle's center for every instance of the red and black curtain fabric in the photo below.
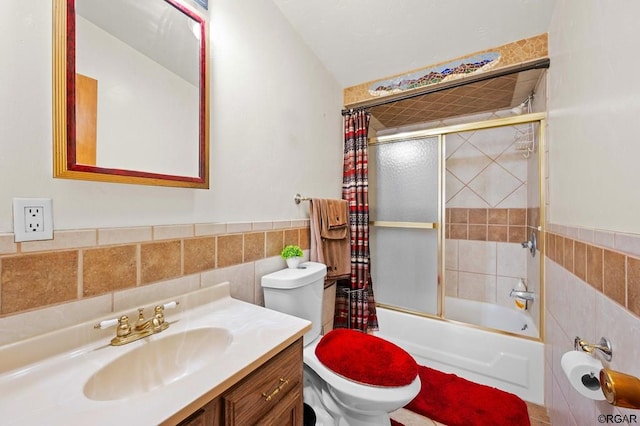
(355, 305)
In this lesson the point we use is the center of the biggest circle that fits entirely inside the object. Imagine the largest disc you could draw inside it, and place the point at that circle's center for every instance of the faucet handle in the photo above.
(106, 323)
(159, 310)
(124, 329)
(170, 305)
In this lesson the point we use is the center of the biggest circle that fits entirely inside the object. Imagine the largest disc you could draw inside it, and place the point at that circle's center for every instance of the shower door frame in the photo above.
(441, 133)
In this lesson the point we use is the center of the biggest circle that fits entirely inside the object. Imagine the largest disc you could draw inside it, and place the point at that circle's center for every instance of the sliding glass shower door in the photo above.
(404, 212)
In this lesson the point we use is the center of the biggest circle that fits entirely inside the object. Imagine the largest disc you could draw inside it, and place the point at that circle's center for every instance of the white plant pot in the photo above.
(293, 262)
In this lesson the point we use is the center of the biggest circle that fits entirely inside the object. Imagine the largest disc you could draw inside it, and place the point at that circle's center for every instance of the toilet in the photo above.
(337, 398)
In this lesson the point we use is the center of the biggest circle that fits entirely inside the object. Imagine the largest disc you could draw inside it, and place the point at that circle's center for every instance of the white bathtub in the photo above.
(490, 315)
(510, 363)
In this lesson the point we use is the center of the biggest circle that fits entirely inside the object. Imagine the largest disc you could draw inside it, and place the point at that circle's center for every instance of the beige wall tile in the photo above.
(518, 217)
(291, 237)
(38, 280)
(497, 233)
(478, 232)
(614, 276)
(594, 266)
(300, 223)
(145, 296)
(478, 216)
(459, 215)
(202, 229)
(275, 243)
(7, 246)
(235, 227)
(241, 278)
(477, 256)
(479, 287)
(580, 260)
(159, 261)
(568, 254)
(633, 285)
(36, 322)
(459, 232)
(199, 254)
(498, 217)
(229, 250)
(110, 236)
(63, 240)
(169, 232)
(305, 238)
(550, 246)
(108, 269)
(559, 249)
(261, 226)
(517, 234)
(281, 224)
(254, 246)
(627, 243)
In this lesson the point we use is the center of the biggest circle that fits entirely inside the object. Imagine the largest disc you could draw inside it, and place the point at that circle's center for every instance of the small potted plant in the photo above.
(292, 254)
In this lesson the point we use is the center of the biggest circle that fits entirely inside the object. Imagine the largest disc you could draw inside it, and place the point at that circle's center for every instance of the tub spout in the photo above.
(526, 295)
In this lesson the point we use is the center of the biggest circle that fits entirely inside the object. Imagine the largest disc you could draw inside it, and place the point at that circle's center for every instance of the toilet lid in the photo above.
(366, 359)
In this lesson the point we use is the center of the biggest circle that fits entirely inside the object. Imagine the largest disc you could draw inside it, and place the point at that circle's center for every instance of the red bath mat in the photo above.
(454, 401)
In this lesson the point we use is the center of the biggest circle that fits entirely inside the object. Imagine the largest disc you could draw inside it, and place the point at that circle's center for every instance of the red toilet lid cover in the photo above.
(366, 359)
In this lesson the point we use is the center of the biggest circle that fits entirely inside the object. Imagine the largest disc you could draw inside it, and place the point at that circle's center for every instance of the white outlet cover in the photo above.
(20, 232)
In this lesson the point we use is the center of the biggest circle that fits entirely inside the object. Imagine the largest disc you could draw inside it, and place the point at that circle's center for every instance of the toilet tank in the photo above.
(298, 292)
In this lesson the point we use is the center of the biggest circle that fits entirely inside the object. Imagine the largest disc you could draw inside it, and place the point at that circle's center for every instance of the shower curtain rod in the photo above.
(537, 64)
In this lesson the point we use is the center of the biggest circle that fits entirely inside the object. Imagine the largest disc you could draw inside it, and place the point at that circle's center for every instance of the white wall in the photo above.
(594, 105)
(275, 127)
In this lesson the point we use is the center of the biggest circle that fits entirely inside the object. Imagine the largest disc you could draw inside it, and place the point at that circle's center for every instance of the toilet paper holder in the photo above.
(603, 346)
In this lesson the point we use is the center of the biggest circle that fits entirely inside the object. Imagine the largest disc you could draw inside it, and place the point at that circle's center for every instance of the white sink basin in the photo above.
(157, 363)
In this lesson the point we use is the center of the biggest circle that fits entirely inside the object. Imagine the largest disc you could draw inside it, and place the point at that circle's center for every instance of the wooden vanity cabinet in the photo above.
(269, 395)
(209, 415)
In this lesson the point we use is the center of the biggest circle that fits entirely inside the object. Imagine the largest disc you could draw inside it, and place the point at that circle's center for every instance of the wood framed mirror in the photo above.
(130, 101)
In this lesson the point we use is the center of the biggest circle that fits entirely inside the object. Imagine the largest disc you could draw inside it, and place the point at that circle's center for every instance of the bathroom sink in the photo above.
(156, 363)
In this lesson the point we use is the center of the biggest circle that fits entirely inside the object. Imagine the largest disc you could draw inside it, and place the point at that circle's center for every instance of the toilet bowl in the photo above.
(338, 400)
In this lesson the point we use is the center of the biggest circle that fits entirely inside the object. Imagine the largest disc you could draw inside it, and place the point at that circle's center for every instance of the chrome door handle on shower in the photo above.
(531, 244)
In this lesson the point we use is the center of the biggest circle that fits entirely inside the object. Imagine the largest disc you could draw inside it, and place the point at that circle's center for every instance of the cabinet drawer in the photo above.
(261, 391)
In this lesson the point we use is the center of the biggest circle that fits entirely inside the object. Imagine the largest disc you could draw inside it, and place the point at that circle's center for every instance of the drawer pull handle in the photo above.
(282, 384)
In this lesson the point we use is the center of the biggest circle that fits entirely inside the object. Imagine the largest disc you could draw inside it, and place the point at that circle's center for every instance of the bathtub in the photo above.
(506, 362)
(490, 315)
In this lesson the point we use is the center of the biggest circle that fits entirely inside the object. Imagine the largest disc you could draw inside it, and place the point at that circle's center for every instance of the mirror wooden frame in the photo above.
(64, 125)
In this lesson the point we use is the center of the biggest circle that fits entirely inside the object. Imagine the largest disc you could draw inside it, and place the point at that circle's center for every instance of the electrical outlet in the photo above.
(32, 219)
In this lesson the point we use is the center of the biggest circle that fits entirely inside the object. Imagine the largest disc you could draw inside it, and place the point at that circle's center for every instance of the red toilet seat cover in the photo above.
(366, 359)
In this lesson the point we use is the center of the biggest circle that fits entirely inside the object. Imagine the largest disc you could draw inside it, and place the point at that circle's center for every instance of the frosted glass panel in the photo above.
(404, 267)
(405, 176)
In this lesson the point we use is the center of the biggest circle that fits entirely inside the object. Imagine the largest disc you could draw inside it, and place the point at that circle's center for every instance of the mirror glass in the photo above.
(133, 92)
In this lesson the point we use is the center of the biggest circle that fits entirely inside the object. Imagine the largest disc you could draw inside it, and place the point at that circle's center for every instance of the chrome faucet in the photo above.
(143, 327)
(526, 295)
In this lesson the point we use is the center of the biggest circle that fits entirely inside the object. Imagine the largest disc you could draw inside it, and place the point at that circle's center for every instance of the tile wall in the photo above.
(84, 274)
(592, 290)
(487, 195)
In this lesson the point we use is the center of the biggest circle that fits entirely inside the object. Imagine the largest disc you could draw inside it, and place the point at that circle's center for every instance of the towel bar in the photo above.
(298, 198)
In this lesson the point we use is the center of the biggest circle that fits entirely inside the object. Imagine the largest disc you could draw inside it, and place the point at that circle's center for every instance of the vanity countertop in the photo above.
(42, 378)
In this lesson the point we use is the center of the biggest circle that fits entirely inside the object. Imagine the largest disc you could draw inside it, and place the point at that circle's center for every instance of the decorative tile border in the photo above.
(439, 74)
(607, 261)
(486, 224)
(510, 54)
(86, 263)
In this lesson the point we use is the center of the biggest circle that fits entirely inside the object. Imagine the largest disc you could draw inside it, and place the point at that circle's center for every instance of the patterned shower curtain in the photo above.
(355, 305)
